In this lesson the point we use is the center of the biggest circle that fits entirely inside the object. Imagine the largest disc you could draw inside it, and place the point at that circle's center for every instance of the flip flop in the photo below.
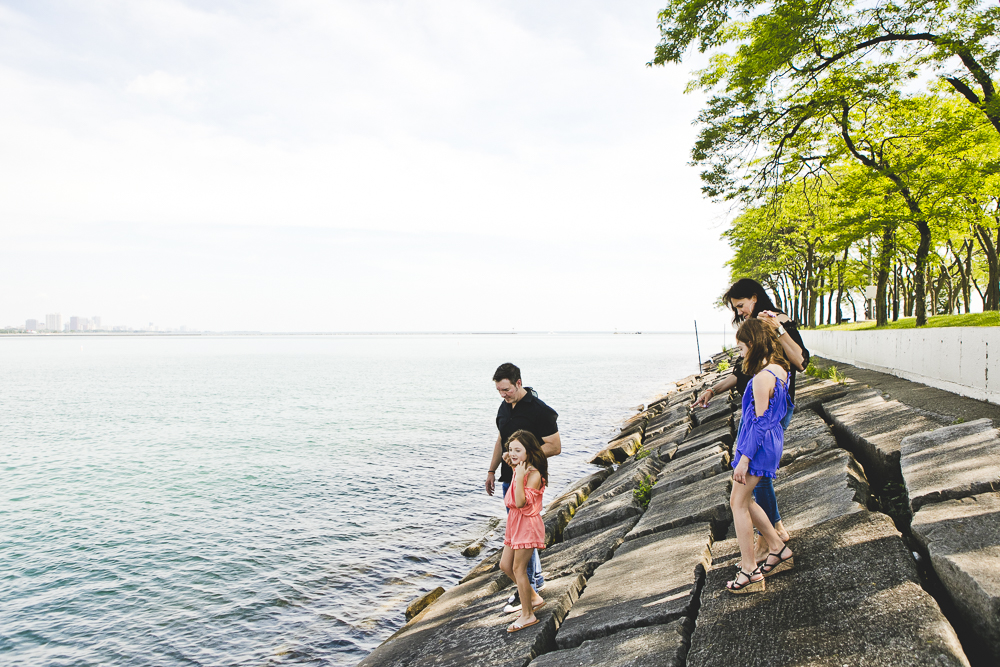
(538, 606)
(514, 627)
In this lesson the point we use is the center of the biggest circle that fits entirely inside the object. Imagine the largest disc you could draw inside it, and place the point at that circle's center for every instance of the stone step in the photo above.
(649, 581)
(582, 555)
(672, 437)
(811, 392)
(466, 626)
(818, 487)
(951, 462)
(717, 408)
(689, 469)
(654, 646)
(704, 500)
(853, 598)
(962, 538)
(617, 450)
(608, 512)
(667, 427)
(874, 428)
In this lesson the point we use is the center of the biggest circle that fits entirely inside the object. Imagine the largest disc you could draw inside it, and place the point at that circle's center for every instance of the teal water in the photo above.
(268, 500)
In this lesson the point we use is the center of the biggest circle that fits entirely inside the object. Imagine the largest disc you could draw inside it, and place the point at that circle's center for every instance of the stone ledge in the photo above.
(649, 581)
(962, 538)
(853, 598)
(705, 500)
(951, 462)
(875, 429)
(652, 646)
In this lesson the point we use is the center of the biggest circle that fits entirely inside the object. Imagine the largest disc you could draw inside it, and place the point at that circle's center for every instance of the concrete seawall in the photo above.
(894, 514)
(962, 360)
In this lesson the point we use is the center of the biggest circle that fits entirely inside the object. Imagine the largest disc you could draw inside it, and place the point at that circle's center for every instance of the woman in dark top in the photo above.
(748, 299)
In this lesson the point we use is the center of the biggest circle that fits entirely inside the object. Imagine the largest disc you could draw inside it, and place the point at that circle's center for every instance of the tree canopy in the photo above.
(832, 123)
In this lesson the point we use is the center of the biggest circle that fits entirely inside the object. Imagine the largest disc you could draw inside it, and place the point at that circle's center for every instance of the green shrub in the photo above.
(644, 491)
(723, 366)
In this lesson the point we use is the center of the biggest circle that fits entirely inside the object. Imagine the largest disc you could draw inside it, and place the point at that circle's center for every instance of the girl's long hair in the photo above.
(533, 448)
(744, 288)
(763, 347)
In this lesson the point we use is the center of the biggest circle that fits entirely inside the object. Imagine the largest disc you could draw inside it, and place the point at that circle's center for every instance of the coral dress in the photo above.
(525, 529)
(762, 439)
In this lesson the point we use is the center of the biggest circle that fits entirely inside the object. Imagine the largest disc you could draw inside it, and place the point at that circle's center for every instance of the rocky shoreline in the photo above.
(895, 522)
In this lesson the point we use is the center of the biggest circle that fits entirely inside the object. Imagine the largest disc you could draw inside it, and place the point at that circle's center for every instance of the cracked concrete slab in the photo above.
(650, 581)
(653, 646)
(704, 500)
(690, 469)
(819, 487)
(584, 554)
(853, 598)
(874, 429)
(465, 627)
(717, 408)
(597, 515)
(962, 538)
(951, 462)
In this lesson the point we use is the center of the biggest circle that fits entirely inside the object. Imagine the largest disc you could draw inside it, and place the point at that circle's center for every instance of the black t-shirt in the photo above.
(530, 414)
(742, 379)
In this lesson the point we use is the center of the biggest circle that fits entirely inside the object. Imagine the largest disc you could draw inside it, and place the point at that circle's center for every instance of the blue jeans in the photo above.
(763, 495)
(534, 563)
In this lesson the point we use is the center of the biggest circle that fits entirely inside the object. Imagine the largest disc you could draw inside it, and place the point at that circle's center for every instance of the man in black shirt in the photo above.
(521, 409)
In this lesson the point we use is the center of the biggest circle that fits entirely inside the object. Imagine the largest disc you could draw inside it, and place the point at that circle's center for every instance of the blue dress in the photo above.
(761, 439)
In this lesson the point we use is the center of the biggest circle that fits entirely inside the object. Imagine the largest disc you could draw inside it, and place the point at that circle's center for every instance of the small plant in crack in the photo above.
(644, 491)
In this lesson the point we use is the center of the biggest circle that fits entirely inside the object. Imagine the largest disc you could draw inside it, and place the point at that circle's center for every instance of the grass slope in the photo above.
(990, 319)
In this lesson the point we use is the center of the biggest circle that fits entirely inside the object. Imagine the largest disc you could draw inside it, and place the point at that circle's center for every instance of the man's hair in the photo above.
(509, 372)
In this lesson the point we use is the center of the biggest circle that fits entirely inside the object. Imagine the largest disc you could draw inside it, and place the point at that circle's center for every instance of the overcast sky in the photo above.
(328, 165)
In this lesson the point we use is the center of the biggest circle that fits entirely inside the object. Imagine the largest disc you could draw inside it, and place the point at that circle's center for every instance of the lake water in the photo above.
(269, 500)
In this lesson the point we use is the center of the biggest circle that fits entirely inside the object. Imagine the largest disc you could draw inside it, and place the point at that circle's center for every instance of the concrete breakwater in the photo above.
(895, 521)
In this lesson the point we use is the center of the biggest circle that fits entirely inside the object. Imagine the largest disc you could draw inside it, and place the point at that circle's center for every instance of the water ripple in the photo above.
(266, 501)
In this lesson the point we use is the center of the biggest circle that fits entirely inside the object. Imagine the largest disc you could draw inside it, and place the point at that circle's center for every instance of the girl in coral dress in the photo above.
(525, 530)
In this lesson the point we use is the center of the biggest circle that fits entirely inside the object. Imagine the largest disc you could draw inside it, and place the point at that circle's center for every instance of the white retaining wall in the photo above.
(962, 360)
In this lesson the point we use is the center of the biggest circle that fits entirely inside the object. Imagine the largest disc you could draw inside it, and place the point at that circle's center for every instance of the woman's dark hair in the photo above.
(744, 288)
(533, 448)
(763, 347)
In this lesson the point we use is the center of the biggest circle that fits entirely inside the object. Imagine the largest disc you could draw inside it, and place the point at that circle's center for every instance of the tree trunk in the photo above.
(920, 273)
(840, 282)
(895, 292)
(885, 255)
(990, 249)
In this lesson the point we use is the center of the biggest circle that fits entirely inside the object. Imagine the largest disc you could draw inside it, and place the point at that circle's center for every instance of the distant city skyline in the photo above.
(52, 323)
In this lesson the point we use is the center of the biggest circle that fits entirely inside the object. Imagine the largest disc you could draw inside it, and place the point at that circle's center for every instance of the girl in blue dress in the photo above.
(757, 452)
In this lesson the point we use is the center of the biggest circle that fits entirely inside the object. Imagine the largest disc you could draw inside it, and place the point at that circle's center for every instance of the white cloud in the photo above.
(160, 84)
(489, 119)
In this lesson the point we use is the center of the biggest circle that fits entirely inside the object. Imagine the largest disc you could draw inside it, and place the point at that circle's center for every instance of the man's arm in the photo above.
(494, 462)
(552, 445)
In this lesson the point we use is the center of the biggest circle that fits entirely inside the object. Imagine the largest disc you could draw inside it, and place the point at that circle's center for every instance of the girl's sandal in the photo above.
(750, 586)
(514, 627)
(767, 568)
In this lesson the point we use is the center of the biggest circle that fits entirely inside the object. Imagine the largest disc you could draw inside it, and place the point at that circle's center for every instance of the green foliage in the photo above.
(723, 366)
(828, 373)
(641, 453)
(644, 491)
(845, 173)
